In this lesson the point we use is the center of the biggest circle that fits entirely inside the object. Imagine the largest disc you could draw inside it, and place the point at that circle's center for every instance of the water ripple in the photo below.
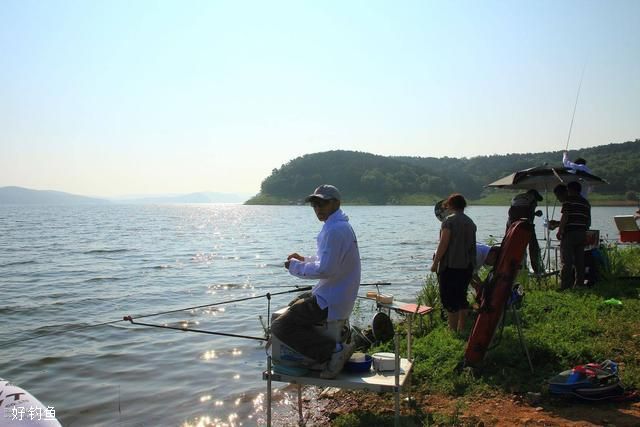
(69, 267)
(105, 251)
(10, 264)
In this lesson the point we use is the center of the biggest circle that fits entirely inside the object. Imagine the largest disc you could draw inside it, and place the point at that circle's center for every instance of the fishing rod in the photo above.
(129, 317)
(547, 250)
(186, 329)
(268, 295)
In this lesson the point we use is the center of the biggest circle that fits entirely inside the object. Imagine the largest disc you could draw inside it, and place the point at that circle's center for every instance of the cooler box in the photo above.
(628, 228)
(592, 240)
(284, 355)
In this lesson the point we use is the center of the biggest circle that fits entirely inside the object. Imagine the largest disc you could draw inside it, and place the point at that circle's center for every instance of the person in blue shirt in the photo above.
(336, 266)
(485, 255)
(579, 164)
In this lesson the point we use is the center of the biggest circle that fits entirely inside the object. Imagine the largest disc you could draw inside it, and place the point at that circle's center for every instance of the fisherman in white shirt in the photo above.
(336, 266)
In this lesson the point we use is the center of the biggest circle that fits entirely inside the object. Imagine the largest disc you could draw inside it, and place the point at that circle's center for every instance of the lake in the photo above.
(66, 267)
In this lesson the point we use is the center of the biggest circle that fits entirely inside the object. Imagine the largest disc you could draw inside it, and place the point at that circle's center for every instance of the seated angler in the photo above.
(336, 266)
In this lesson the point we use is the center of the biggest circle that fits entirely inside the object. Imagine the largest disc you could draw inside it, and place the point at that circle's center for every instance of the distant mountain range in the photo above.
(26, 196)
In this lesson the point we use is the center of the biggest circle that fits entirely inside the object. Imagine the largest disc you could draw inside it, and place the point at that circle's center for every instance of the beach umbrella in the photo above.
(545, 178)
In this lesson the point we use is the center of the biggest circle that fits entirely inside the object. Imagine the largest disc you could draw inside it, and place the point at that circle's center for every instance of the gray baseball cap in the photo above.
(324, 192)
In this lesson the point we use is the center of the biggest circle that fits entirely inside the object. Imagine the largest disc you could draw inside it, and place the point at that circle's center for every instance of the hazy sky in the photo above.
(118, 97)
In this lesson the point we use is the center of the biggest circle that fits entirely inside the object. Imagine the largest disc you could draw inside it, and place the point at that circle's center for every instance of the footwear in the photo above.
(337, 361)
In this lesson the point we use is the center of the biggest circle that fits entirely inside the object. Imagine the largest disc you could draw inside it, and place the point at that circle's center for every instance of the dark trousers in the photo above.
(534, 247)
(534, 253)
(572, 256)
(296, 329)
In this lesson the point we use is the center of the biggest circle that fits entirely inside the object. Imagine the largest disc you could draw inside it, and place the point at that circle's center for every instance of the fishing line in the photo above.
(127, 318)
(6, 343)
(566, 148)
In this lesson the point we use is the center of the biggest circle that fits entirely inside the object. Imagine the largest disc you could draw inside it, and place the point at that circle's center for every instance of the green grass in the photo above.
(561, 329)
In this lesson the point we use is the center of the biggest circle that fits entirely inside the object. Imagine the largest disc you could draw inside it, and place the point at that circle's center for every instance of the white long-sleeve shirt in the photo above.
(336, 264)
(575, 166)
(586, 189)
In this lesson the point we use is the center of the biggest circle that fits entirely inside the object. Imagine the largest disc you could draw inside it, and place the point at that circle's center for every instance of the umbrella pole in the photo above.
(547, 233)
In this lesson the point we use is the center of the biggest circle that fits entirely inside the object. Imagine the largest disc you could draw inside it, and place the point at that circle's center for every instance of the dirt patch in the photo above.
(494, 410)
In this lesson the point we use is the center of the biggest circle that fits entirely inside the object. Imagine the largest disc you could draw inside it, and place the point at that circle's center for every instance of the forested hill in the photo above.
(372, 179)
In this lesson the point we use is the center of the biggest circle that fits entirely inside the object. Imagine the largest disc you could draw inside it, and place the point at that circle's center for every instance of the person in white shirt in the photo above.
(336, 266)
(579, 164)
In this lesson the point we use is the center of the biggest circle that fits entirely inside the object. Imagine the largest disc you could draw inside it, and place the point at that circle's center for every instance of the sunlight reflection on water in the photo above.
(62, 267)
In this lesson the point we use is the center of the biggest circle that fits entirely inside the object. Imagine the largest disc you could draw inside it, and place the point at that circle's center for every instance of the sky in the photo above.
(109, 98)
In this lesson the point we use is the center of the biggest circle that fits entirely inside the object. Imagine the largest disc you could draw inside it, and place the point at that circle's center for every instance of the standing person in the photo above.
(524, 206)
(572, 231)
(336, 266)
(561, 193)
(455, 260)
(579, 164)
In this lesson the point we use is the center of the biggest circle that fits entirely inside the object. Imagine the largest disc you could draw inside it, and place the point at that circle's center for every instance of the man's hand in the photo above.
(434, 267)
(294, 256)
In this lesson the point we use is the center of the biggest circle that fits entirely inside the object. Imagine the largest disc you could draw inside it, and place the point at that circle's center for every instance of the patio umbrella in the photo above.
(545, 178)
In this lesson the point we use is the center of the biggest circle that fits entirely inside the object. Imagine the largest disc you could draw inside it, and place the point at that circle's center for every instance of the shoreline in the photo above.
(600, 203)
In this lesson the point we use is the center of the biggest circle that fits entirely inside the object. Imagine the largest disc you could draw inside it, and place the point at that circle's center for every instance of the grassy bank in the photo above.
(561, 329)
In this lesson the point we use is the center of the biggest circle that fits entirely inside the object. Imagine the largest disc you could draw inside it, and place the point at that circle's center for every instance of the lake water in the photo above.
(64, 267)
